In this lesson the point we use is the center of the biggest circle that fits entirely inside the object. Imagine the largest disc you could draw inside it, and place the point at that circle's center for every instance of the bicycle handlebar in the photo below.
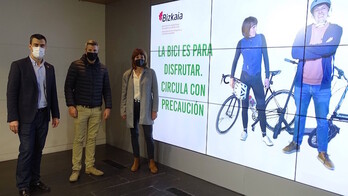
(340, 72)
(272, 73)
(223, 79)
(290, 61)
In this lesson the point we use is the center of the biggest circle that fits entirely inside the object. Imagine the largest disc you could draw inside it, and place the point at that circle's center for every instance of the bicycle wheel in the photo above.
(228, 114)
(312, 138)
(275, 106)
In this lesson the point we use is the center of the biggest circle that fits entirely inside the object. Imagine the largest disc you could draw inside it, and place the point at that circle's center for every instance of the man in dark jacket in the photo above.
(87, 82)
(314, 75)
(31, 99)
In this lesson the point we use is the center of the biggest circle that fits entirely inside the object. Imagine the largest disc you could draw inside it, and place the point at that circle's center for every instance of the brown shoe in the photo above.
(291, 148)
(135, 165)
(152, 167)
(323, 157)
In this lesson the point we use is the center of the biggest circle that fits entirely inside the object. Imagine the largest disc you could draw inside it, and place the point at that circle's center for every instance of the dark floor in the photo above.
(117, 180)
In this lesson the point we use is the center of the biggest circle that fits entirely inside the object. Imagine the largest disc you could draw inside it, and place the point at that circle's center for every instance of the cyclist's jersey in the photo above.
(252, 50)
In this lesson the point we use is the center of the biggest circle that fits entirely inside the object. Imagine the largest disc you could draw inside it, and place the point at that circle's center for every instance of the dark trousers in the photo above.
(32, 138)
(254, 82)
(147, 134)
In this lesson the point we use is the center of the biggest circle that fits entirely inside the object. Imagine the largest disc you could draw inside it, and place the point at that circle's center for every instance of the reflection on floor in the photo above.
(117, 180)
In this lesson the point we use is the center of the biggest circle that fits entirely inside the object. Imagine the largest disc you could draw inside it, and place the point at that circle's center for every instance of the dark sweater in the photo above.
(326, 51)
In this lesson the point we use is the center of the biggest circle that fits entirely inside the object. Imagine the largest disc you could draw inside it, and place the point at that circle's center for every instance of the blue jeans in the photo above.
(32, 138)
(321, 98)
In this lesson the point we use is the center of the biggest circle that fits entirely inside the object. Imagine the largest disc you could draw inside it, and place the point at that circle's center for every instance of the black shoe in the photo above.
(24, 192)
(40, 186)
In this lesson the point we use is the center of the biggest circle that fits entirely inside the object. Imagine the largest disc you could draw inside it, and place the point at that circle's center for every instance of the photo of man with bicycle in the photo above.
(314, 75)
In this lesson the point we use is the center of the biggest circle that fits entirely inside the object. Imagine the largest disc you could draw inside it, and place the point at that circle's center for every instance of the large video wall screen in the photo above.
(193, 46)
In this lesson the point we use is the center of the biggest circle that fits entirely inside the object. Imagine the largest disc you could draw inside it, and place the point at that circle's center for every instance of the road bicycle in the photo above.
(335, 116)
(274, 103)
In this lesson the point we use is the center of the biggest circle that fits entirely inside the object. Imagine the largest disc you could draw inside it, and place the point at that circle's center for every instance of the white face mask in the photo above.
(38, 52)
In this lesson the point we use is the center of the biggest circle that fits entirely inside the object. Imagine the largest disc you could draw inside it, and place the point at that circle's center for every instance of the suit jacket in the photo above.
(22, 92)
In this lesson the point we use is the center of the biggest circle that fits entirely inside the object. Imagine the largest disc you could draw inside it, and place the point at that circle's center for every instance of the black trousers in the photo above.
(147, 134)
(255, 83)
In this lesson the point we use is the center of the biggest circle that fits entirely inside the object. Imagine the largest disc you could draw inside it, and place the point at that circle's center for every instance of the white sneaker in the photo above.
(243, 136)
(267, 141)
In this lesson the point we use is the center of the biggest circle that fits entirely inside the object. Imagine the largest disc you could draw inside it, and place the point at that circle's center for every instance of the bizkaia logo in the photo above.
(169, 17)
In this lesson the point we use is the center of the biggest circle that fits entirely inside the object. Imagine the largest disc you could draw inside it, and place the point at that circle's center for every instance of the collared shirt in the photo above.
(136, 80)
(40, 73)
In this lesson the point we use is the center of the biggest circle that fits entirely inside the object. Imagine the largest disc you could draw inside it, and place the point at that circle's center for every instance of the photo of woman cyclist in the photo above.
(253, 48)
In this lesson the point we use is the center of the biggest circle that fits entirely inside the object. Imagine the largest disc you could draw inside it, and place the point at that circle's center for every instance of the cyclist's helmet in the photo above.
(318, 2)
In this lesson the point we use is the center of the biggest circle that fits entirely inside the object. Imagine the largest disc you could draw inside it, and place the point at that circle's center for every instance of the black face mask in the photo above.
(140, 62)
(92, 56)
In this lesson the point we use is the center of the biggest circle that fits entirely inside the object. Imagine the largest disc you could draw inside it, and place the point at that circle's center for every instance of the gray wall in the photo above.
(67, 24)
(127, 27)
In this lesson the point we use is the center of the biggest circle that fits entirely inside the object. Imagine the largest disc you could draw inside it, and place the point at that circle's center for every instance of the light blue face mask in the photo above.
(38, 52)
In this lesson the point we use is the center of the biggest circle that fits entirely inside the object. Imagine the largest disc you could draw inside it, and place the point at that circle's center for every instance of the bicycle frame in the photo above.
(273, 73)
(336, 115)
(281, 119)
